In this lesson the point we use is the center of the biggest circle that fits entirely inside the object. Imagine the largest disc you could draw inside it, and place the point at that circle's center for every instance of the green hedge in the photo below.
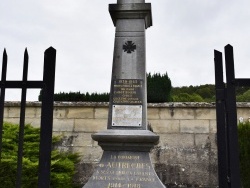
(62, 163)
(244, 144)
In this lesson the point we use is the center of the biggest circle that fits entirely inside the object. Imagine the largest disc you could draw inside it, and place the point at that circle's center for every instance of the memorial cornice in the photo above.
(126, 140)
(131, 11)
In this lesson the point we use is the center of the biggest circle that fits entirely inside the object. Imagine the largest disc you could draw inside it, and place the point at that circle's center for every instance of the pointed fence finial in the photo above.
(25, 65)
(26, 53)
(4, 65)
(4, 53)
(50, 50)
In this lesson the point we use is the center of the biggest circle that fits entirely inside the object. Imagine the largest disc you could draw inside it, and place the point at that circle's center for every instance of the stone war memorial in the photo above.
(126, 143)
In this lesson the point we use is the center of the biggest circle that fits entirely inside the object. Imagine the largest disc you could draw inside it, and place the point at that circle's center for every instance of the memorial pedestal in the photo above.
(125, 162)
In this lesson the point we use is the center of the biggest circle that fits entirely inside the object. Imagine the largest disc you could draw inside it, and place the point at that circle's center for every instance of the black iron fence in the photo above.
(226, 114)
(47, 86)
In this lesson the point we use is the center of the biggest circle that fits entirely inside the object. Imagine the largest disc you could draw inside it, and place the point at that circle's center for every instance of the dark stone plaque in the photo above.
(127, 91)
(124, 169)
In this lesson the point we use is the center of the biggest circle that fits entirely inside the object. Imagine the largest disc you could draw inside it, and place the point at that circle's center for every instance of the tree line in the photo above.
(159, 89)
(205, 93)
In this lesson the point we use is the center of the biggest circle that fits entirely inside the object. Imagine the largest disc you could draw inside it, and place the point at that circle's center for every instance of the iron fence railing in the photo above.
(47, 86)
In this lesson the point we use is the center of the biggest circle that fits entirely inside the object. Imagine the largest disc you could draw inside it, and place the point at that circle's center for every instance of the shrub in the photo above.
(245, 97)
(62, 164)
(185, 97)
(244, 144)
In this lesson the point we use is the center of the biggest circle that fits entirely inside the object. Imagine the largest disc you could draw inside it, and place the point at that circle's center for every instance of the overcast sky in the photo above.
(180, 42)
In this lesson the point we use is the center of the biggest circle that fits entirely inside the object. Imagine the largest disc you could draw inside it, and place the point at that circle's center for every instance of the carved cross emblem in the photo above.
(129, 47)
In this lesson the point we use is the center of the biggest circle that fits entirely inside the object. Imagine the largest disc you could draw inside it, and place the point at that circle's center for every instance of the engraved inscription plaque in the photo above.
(127, 115)
(127, 91)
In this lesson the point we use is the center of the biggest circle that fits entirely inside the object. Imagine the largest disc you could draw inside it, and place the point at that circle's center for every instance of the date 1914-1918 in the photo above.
(119, 185)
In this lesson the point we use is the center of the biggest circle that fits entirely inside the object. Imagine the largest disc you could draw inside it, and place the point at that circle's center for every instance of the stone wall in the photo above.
(186, 155)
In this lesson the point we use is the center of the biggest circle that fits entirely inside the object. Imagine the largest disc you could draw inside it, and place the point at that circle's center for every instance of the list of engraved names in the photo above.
(127, 91)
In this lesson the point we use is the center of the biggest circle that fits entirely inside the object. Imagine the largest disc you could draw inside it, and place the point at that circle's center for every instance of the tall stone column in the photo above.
(127, 141)
(128, 101)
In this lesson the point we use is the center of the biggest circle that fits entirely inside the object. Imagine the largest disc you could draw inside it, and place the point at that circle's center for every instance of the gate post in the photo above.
(47, 118)
(221, 121)
(234, 167)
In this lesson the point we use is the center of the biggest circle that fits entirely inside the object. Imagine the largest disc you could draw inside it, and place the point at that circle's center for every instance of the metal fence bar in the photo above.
(234, 169)
(2, 97)
(220, 118)
(19, 84)
(47, 118)
(242, 82)
(22, 121)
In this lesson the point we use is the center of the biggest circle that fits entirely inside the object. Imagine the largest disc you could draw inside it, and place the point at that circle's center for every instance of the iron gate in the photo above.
(47, 86)
(226, 115)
